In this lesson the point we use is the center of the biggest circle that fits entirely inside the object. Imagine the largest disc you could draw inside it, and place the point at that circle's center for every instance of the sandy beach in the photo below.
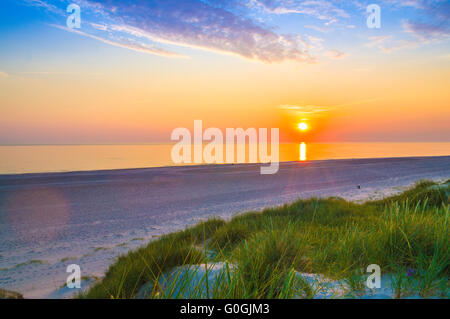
(48, 221)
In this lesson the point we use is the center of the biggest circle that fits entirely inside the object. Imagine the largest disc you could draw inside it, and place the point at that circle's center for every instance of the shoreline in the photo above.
(137, 169)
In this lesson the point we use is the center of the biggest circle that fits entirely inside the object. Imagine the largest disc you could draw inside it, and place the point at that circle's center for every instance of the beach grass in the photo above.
(407, 235)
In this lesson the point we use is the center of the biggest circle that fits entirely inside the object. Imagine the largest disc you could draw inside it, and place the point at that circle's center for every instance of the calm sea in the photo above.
(61, 158)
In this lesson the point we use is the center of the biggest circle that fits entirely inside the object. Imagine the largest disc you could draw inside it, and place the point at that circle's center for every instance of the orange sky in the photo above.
(67, 88)
(387, 103)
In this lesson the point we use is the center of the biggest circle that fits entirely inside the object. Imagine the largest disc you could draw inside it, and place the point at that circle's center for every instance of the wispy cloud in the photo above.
(306, 110)
(46, 5)
(335, 54)
(101, 27)
(46, 73)
(238, 27)
(139, 24)
(320, 9)
(378, 40)
(318, 110)
(51, 73)
(126, 43)
(388, 44)
(318, 28)
(428, 32)
(405, 3)
(313, 43)
(430, 23)
(434, 22)
(200, 25)
(3, 74)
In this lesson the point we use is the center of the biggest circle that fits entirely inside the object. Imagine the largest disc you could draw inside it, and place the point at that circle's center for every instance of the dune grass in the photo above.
(406, 234)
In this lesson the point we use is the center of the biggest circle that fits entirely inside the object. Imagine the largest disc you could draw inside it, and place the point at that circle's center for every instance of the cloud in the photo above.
(328, 13)
(45, 5)
(331, 22)
(430, 24)
(238, 27)
(377, 40)
(388, 44)
(99, 26)
(434, 21)
(138, 24)
(313, 43)
(51, 73)
(404, 3)
(335, 54)
(3, 74)
(197, 24)
(318, 110)
(307, 110)
(47, 73)
(317, 28)
(428, 32)
(320, 9)
(126, 43)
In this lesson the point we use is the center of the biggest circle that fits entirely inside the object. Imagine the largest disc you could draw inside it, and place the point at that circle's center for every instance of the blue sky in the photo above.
(264, 30)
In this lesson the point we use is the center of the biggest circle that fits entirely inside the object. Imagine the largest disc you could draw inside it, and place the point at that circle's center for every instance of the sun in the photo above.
(302, 126)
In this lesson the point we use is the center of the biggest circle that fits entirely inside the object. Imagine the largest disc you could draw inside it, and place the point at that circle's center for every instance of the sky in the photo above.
(136, 70)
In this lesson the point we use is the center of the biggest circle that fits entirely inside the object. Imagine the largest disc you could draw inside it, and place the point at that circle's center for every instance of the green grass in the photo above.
(333, 237)
(131, 271)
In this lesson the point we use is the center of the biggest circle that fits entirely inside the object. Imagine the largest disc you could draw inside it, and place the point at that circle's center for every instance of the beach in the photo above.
(51, 220)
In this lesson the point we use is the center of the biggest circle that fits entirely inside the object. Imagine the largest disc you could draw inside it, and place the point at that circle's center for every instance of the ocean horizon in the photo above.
(21, 159)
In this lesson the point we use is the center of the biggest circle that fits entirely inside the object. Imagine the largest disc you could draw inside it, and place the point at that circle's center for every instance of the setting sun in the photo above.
(303, 126)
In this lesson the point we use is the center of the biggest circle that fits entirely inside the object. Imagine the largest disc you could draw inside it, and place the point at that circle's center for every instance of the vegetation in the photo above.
(6, 294)
(406, 234)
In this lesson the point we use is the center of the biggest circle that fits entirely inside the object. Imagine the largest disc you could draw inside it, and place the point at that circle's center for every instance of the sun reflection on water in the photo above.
(302, 151)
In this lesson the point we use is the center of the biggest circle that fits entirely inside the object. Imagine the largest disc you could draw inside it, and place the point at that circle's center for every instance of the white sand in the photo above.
(89, 218)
